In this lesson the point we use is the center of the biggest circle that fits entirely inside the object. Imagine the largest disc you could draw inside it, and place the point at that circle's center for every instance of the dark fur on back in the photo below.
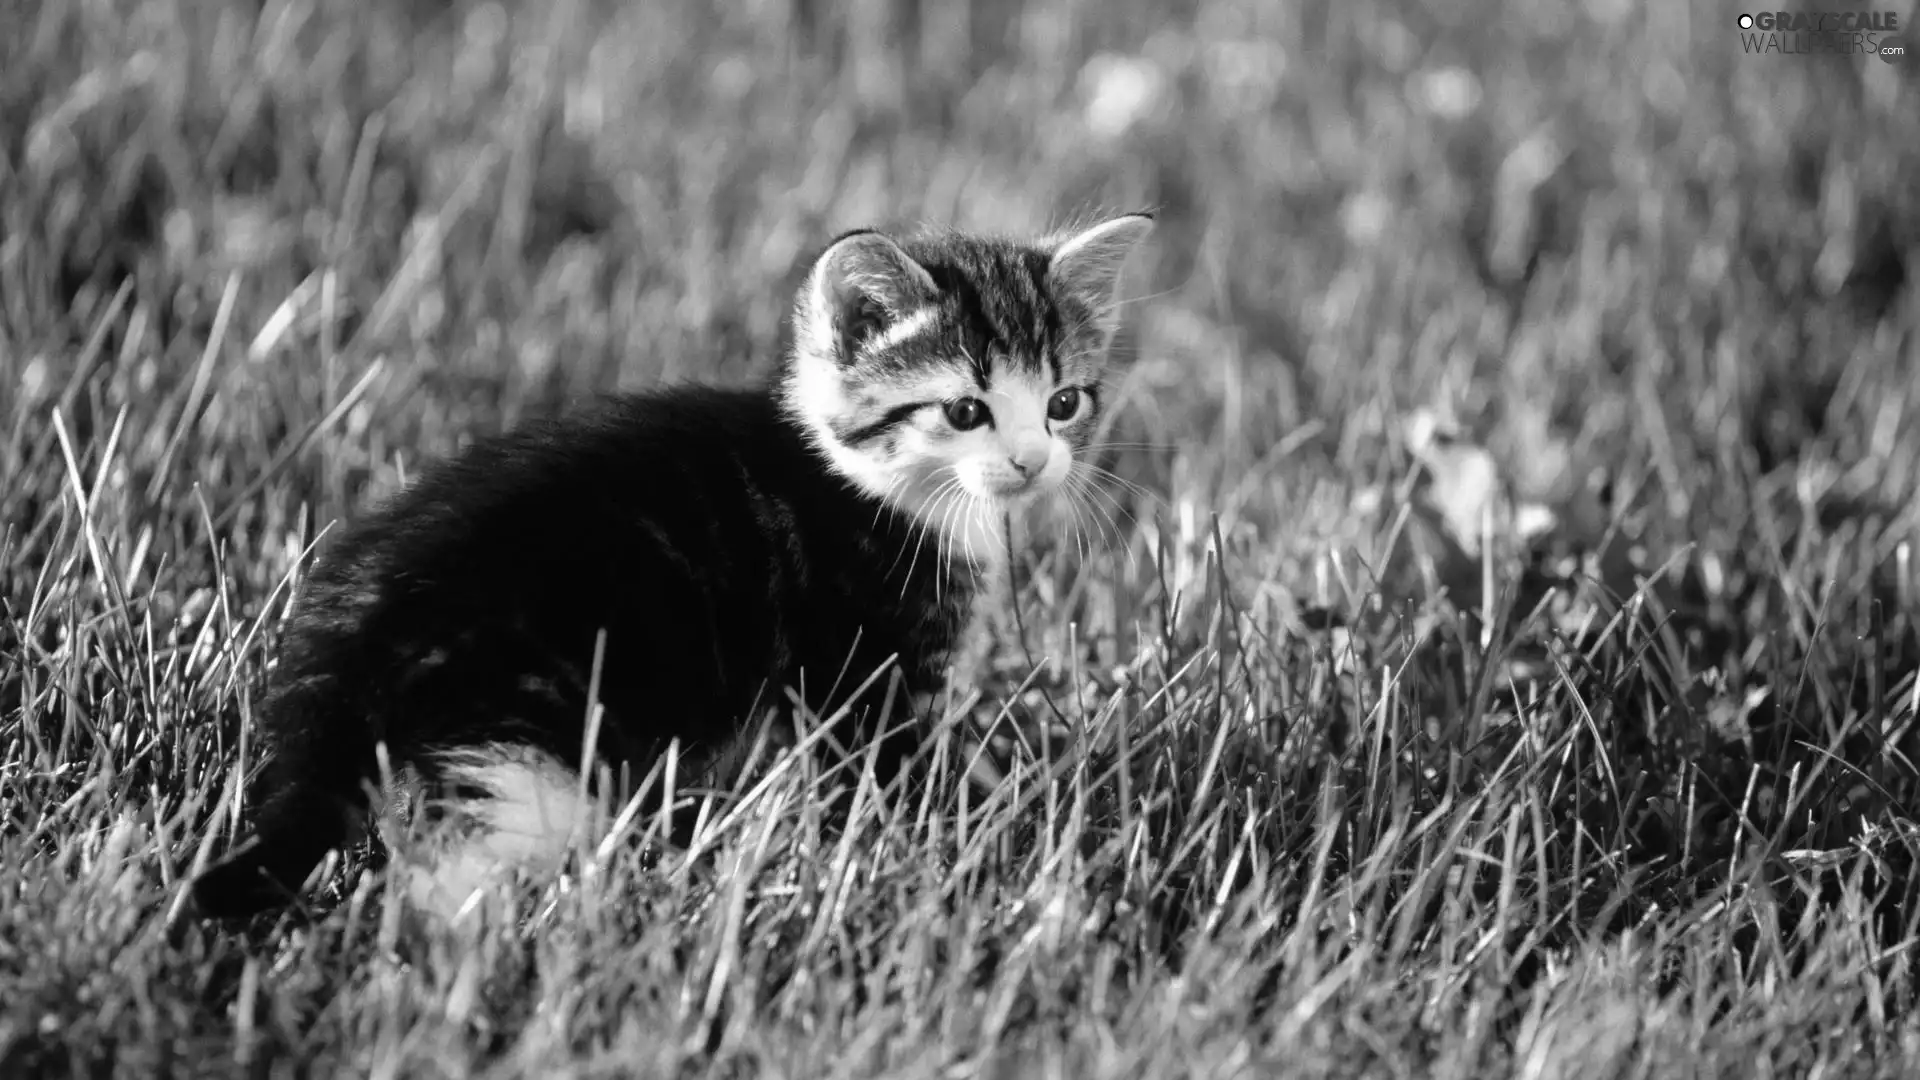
(694, 526)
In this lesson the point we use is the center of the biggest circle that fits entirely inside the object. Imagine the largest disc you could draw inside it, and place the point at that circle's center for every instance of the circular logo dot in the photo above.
(1746, 22)
(1895, 49)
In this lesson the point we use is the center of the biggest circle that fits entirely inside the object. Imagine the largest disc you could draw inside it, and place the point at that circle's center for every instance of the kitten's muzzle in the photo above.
(1004, 482)
(1021, 472)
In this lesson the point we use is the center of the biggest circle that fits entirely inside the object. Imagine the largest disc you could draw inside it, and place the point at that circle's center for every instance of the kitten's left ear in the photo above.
(1086, 267)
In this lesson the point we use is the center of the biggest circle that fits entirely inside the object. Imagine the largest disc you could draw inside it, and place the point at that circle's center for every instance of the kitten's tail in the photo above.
(310, 799)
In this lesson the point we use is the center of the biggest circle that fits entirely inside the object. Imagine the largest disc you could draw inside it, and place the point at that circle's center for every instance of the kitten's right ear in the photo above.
(859, 286)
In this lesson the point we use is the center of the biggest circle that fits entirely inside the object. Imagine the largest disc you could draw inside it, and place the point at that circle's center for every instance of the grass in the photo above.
(1331, 805)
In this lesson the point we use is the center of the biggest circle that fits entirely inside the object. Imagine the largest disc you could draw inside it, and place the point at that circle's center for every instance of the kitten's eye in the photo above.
(1063, 405)
(966, 413)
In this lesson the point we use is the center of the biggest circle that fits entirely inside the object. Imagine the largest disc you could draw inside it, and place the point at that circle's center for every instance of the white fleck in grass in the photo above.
(528, 818)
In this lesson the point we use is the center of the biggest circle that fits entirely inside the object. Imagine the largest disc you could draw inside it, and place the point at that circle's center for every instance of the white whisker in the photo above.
(916, 534)
(1075, 518)
(1089, 490)
(958, 504)
(1135, 489)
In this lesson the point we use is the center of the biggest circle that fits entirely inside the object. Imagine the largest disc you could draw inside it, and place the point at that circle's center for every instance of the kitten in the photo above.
(715, 547)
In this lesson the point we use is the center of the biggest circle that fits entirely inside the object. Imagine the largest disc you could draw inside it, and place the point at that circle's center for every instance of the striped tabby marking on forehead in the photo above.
(904, 330)
(957, 376)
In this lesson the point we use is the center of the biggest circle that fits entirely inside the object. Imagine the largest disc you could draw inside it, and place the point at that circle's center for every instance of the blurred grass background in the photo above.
(262, 259)
(1564, 209)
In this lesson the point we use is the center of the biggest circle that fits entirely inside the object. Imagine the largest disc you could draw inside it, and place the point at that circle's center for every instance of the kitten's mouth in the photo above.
(1006, 492)
(1021, 493)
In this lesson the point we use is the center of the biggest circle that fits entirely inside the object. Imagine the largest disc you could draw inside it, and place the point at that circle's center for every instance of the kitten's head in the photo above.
(951, 372)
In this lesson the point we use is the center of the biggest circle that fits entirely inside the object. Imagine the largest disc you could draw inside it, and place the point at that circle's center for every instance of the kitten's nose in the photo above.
(1028, 459)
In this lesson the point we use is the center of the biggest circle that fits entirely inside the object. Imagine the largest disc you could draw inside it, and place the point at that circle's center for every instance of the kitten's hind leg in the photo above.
(268, 870)
(309, 799)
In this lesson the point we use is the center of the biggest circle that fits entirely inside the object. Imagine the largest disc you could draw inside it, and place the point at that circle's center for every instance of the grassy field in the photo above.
(1506, 667)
